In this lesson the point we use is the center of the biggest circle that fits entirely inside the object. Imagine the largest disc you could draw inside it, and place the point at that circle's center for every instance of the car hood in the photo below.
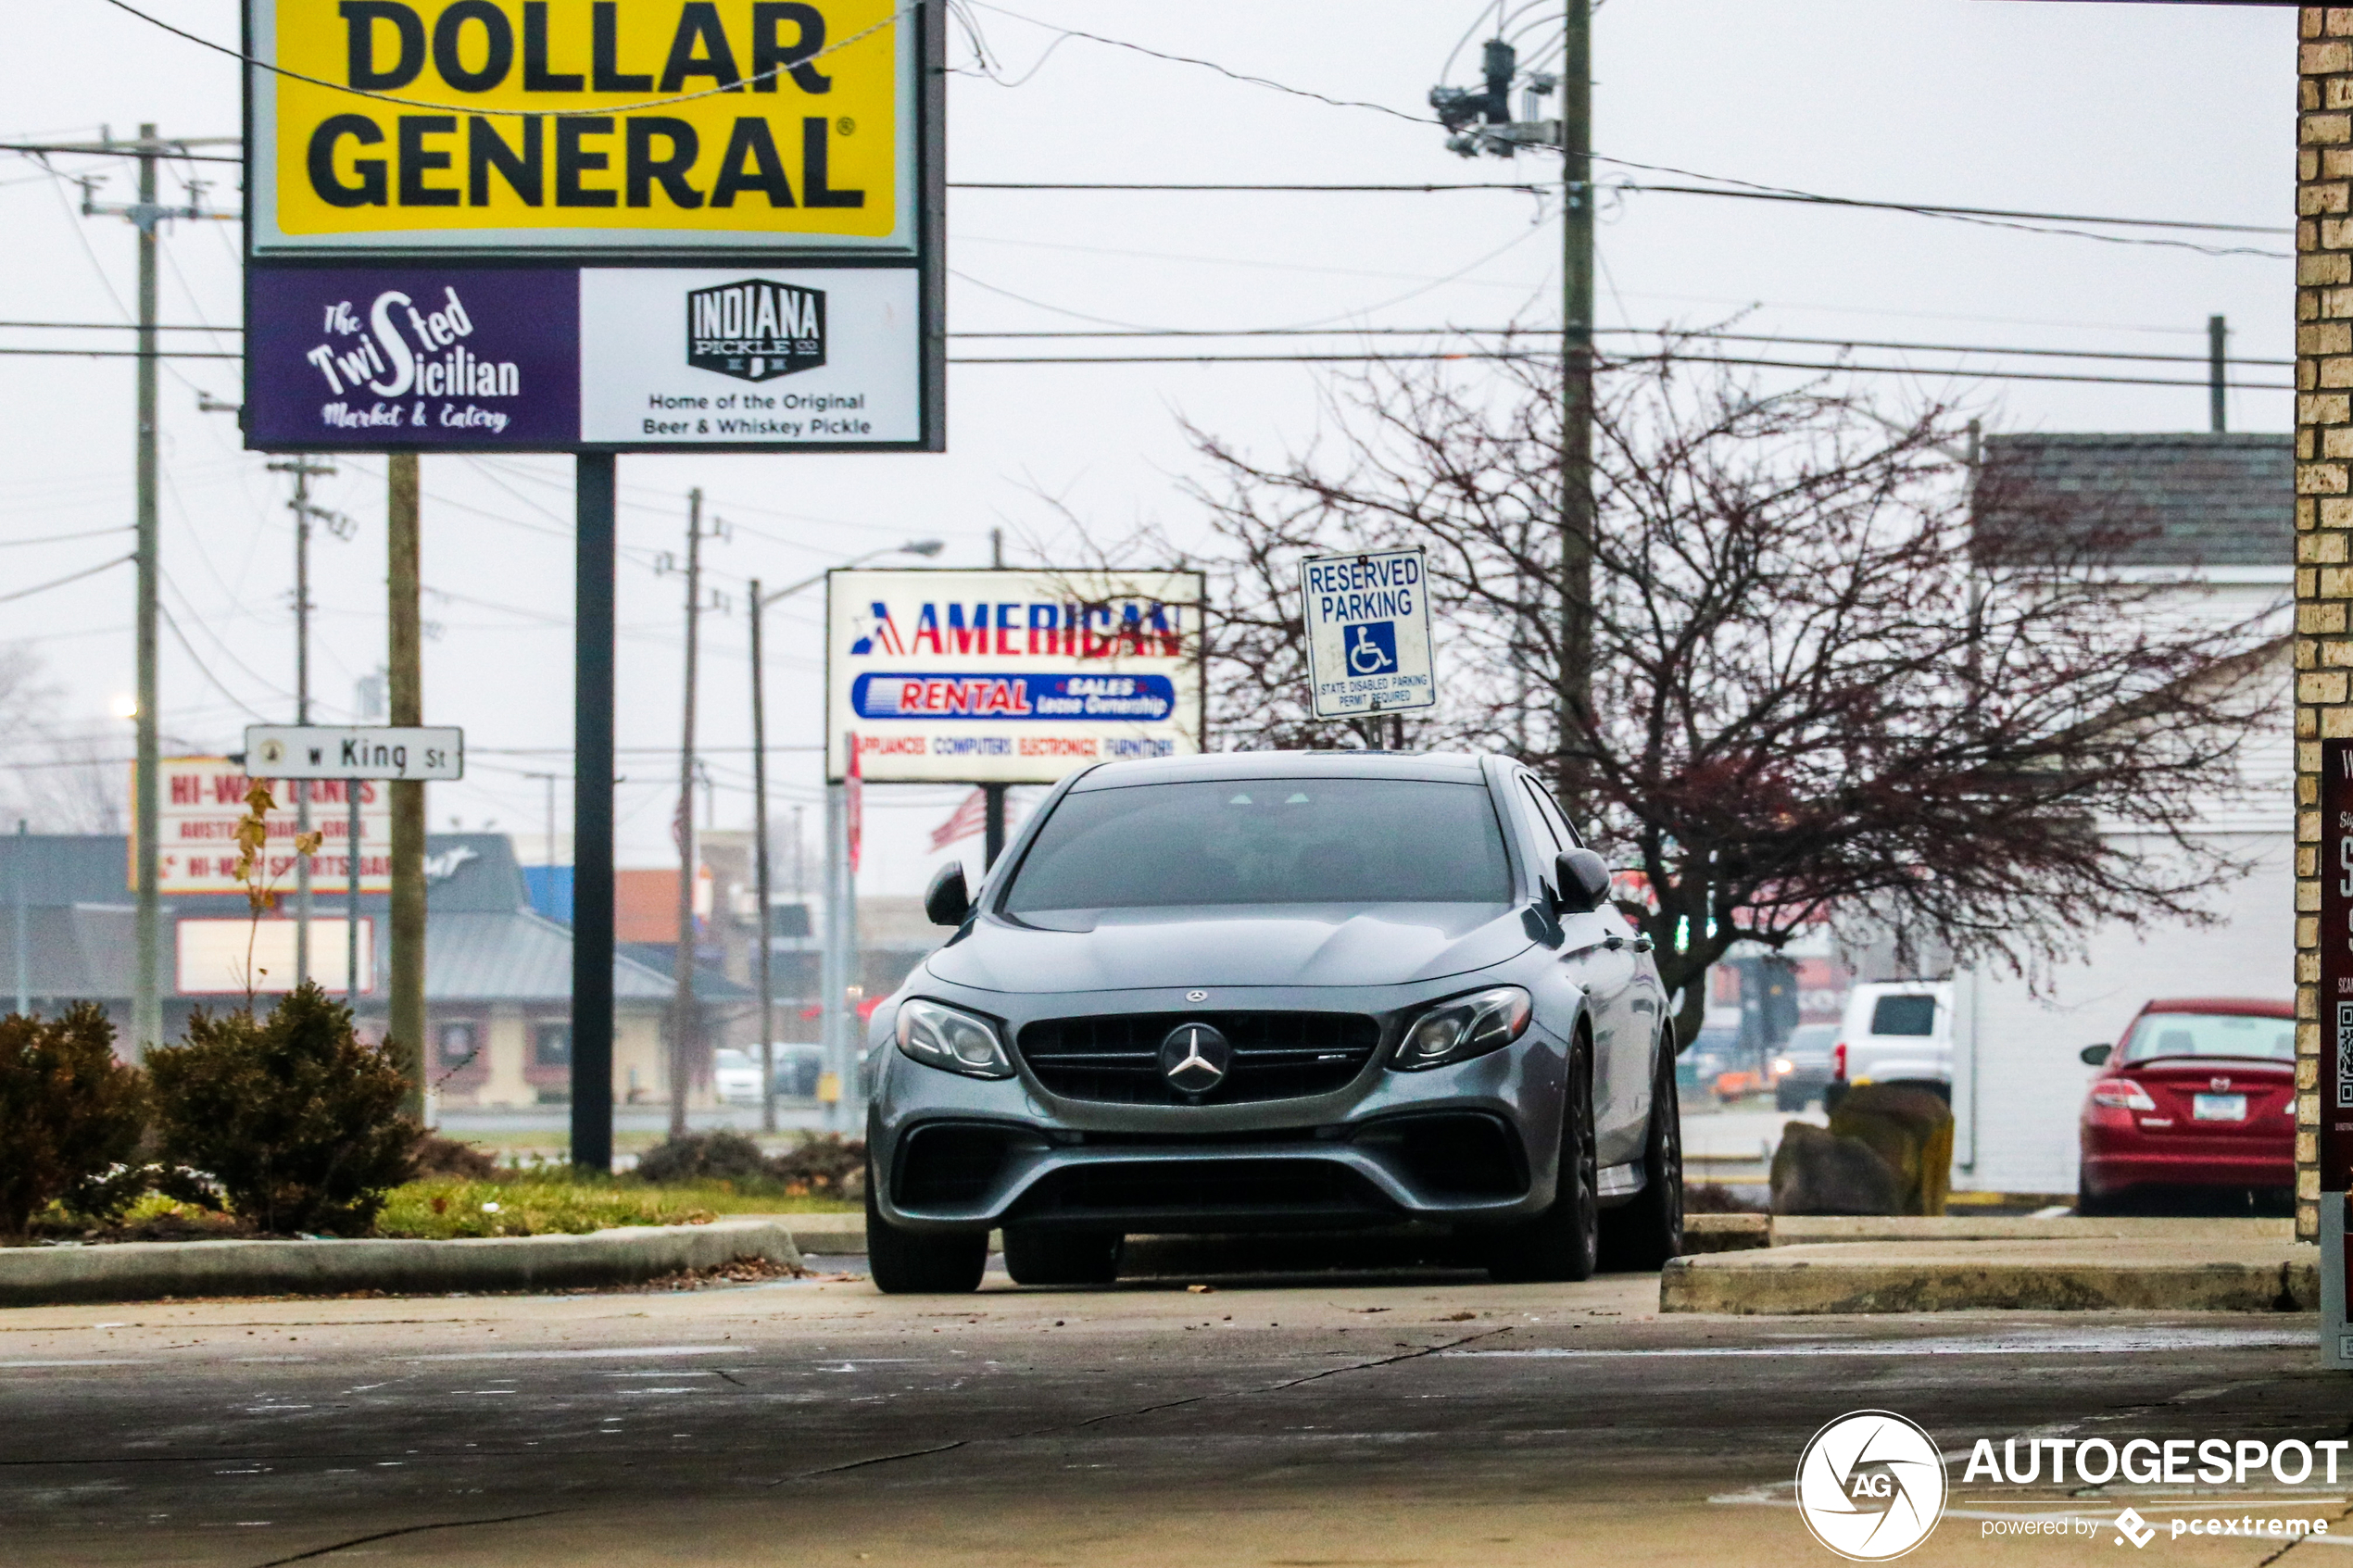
(1289, 945)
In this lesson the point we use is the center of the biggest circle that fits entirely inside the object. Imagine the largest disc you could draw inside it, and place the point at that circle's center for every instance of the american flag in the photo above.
(967, 819)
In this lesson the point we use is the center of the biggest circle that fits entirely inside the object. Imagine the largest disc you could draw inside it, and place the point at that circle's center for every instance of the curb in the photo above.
(141, 1271)
(1953, 1277)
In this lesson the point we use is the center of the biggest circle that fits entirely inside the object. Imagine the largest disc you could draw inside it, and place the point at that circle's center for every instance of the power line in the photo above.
(62, 538)
(737, 86)
(1529, 355)
(1925, 209)
(72, 577)
(1929, 209)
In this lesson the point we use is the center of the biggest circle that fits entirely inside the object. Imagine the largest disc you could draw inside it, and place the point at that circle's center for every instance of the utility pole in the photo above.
(683, 1030)
(304, 470)
(406, 1013)
(2217, 367)
(760, 857)
(1481, 121)
(148, 217)
(1577, 403)
(832, 965)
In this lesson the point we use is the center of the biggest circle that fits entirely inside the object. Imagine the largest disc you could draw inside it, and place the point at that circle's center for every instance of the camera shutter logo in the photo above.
(755, 330)
(1870, 1485)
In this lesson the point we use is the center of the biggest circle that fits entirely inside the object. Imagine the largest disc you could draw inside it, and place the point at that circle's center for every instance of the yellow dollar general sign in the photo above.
(562, 125)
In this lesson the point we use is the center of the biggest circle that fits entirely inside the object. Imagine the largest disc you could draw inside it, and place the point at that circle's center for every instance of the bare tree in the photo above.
(58, 776)
(1822, 690)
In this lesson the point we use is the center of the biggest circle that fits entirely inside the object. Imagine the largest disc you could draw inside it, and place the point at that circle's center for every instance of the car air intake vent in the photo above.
(1276, 1055)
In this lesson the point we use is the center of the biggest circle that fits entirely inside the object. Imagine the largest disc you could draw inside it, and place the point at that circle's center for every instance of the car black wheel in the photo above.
(1786, 1098)
(1059, 1256)
(1832, 1093)
(1645, 1232)
(1564, 1242)
(907, 1262)
(2089, 1204)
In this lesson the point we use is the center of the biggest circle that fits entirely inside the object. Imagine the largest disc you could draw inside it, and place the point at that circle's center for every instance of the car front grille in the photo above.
(1196, 1194)
(1276, 1055)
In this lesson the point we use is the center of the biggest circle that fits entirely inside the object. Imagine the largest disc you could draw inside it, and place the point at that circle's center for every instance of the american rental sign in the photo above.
(1009, 677)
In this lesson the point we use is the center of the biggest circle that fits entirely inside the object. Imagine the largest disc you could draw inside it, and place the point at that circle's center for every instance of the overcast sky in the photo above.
(2157, 111)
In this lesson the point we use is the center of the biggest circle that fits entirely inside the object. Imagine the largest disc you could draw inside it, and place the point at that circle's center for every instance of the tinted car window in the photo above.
(2200, 1033)
(1904, 1015)
(1266, 841)
(1554, 818)
(1812, 1042)
(1546, 832)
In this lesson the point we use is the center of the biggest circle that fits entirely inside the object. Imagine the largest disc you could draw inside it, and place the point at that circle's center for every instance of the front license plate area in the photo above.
(2219, 1107)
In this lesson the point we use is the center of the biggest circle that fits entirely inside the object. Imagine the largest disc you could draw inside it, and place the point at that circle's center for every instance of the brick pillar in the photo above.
(2323, 511)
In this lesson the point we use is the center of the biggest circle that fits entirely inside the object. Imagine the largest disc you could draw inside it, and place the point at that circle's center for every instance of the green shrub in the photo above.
(71, 1117)
(297, 1119)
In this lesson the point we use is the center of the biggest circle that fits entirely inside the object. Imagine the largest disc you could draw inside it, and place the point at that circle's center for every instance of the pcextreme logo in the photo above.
(1870, 1485)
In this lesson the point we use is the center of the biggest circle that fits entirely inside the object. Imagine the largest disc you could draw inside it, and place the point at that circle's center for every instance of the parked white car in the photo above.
(735, 1075)
(1894, 1031)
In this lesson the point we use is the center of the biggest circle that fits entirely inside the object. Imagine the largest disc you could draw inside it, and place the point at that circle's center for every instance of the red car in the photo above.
(2201, 1093)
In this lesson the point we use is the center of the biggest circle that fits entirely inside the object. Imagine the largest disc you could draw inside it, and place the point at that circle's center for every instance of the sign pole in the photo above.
(406, 1013)
(351, 895)
(592, 814)
(2329, 1109)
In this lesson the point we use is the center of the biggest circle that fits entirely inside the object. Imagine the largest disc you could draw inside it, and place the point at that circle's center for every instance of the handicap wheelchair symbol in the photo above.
(1373, 649)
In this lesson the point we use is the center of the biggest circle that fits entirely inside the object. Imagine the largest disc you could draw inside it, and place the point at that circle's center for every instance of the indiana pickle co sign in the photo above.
(1009, 677)
(551, 225)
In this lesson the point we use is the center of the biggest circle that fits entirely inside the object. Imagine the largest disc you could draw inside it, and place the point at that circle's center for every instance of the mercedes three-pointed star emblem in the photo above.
(1195, 1058)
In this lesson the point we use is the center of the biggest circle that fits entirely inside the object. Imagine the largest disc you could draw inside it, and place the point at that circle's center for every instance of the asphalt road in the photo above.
(1318, 1420)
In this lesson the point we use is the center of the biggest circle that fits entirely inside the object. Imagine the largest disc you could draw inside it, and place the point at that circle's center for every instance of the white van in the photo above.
(1894, 1031)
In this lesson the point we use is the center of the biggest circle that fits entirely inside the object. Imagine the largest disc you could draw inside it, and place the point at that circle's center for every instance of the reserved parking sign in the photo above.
(1367, 619)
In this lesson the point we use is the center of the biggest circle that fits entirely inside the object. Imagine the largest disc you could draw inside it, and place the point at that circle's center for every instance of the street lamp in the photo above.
(759, 602)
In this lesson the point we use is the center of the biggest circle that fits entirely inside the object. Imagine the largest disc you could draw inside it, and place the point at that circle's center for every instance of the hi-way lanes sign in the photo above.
(366, 751)
(1367, 619)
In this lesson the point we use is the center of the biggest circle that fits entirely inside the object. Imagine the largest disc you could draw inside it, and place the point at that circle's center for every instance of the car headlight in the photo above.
(1465, 1027)
(1783, 1066)
(951, 1039)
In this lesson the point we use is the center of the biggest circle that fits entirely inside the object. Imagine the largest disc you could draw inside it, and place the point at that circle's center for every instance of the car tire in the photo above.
(1644, 1234)
(904, 1262)
(1833, 1092)
(1061, 1256)
(1564, 1242)
(2091, 1205)
(1786, 1098)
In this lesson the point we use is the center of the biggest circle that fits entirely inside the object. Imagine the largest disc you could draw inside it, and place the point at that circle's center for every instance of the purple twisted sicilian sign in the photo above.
(543, 358)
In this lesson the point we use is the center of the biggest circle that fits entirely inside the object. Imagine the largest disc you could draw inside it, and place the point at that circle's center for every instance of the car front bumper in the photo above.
(1474, 1143)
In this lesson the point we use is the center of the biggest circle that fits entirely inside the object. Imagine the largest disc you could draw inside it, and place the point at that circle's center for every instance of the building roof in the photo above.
(482, 941)
(2190, 499)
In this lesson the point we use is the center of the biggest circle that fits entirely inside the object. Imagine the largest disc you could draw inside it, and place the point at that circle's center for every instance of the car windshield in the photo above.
(1813, 1039)
(1266, 841)
(2211, 1034)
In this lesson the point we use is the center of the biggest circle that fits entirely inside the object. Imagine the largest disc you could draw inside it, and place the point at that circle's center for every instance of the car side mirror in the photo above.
(2096, 1055)
(947, 901)
(1583, 879)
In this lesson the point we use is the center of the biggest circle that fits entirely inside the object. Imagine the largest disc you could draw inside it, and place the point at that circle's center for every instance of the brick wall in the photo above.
(2324, 508)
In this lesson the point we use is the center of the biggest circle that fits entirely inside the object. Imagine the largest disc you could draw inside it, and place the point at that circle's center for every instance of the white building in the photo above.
(2218, 511)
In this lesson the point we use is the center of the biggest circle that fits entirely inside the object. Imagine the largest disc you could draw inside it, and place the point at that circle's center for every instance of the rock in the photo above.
(1815, 1172)
(1912, 1130)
